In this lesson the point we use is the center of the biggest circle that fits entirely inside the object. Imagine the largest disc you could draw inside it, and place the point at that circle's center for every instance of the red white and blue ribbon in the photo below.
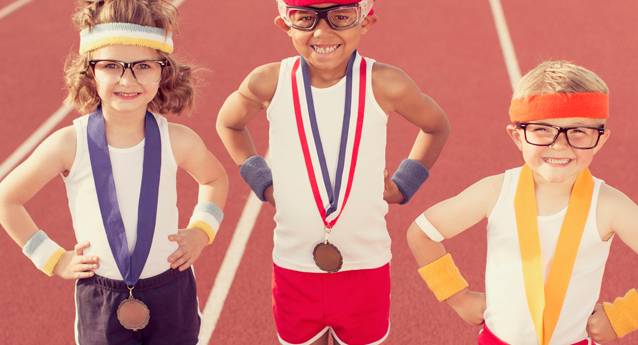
(332, 199)
(129, 264)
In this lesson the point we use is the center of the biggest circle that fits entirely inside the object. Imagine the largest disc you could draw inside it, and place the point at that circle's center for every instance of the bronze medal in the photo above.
(132, 313)
(327, 257)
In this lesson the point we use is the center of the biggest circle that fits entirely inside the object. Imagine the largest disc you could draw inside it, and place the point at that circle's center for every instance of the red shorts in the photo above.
(353, 305)
(488, 338)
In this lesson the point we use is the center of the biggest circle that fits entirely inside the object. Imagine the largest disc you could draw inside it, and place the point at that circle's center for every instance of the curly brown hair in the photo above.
(176, 91)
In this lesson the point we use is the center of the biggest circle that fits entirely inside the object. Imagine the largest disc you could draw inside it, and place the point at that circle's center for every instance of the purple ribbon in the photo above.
(129, 264)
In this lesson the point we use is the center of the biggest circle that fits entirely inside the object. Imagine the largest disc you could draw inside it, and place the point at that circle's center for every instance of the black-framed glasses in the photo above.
(339, 17)
(578, 137)
(144, 71)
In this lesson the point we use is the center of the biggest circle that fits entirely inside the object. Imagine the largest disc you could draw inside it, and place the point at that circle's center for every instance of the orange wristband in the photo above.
(623, 313)
(443, 277)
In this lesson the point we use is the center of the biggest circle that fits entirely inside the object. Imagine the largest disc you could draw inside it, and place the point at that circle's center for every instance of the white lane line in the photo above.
(511, 63)
(228, 268)
(33, 140)
(12, 7)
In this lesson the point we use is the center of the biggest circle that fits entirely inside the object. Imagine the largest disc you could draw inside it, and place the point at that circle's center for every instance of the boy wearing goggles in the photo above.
(550, 223)
(327, 110)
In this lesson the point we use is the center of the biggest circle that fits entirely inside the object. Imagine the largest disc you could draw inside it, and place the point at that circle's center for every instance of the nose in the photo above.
(561, 141)
(128, 76)
(322, 27)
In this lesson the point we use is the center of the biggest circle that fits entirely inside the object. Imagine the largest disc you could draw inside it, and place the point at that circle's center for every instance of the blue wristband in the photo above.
(257, 174)
(409, 178)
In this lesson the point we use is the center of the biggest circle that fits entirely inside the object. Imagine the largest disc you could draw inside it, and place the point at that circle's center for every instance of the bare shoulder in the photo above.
(613, 202)
(489, 188)
(61, 144)
(492, 183)
(261, 83)
(610, 199)
(613, 205)
(389, 81)
(395, 91)
(183, 140)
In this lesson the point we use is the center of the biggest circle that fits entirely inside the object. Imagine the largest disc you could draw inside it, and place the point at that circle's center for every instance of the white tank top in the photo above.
(127, 174)
(360, 233)
(507, 314)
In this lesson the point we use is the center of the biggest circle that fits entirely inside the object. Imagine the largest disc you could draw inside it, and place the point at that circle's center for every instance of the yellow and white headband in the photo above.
(107, 34)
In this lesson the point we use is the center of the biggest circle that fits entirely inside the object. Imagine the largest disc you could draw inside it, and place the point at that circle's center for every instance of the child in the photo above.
(550, 223)
(327, 110)
(119, 163)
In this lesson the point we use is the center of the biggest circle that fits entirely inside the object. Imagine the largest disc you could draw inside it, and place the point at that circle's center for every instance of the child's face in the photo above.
(325, 48)
(126, 93)
(558, 162)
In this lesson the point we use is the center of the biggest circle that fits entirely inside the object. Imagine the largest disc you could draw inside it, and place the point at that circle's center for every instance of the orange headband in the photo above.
(593, 105)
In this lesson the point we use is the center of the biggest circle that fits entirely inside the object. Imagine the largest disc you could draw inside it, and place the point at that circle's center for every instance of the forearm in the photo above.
(214, 192)
(17, 222)
(428, 146)
(424, 249)
(238, 143)
(437, 267)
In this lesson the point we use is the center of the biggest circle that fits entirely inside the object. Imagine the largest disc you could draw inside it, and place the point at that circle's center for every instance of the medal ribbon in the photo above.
(545, 299)
(129, 264)
(333, 193)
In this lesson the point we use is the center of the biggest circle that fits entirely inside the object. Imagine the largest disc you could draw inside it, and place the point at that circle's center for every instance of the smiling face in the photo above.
(558, 162)
(124, 94)
(325, 48)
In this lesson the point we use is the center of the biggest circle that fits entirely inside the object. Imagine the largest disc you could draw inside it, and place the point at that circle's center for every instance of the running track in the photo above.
(450, 47)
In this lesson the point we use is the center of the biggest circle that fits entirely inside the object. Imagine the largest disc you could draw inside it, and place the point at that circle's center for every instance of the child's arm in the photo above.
(52, 157)
(396, 92)
(254, 95)
(616, 215)
(193, 156)
(443, 221)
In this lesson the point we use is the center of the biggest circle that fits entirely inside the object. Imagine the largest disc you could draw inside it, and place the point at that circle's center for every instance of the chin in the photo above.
(127, 107)
(556, 176)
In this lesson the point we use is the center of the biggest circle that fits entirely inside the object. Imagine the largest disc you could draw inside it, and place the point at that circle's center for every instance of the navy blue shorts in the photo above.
(171, 298)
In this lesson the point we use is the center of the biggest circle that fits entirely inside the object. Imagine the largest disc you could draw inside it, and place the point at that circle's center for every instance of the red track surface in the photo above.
(449, 47)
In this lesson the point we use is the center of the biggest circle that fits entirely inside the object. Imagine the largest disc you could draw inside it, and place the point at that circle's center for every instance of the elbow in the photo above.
(444, 127)
(414, 234)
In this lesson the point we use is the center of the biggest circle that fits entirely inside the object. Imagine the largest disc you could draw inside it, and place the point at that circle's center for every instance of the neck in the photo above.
(552, 197)
(327, 77)
(540, 183)
(123, 129)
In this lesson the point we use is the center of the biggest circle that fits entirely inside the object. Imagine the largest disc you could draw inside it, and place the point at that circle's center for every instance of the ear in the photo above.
(367, 23)
(603, 140)
(281, 24)
(516, 135)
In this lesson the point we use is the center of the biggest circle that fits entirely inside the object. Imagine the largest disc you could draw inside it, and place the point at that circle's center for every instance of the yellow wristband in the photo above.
(623, 313)
(205, 227)
(443, 277)
(52, 261)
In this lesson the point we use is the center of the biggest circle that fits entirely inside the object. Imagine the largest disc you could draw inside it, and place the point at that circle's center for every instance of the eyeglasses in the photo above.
(144, 71)
(339, 17)
(581, 137)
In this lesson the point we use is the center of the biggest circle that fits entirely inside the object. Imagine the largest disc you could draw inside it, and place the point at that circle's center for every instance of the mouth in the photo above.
(127, 95)
(324, 49)
(557, 162)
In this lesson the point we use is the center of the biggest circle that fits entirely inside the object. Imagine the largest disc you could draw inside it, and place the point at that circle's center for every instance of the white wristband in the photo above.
(43, 252)
(428, 229)
(210, 215)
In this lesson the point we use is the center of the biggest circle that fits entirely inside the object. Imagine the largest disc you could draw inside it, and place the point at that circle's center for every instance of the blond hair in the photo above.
(558, 76)
(176, 91)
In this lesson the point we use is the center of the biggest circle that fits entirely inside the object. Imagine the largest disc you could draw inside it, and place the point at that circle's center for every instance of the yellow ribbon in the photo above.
(545, 302)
